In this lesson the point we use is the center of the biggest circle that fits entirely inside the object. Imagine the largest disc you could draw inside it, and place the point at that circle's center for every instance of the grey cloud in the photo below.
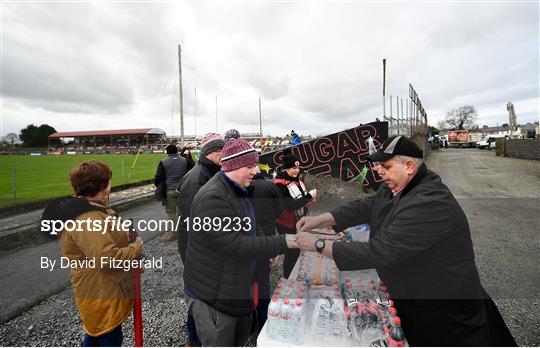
(44, 81)
(315, 66)
(83, 57)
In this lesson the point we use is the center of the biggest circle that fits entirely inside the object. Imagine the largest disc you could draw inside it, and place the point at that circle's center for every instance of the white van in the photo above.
(489, 141)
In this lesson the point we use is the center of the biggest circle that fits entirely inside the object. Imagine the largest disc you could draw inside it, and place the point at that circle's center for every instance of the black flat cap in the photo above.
(396, 145)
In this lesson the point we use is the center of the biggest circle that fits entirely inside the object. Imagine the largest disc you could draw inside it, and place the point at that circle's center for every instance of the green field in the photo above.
(46, 176)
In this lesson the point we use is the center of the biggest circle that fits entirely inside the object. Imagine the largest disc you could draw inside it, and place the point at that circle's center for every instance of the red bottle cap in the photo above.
(275, 299)
(397, 321)
(392, 311)
(298, 302)
(287, 302)
(391, 303)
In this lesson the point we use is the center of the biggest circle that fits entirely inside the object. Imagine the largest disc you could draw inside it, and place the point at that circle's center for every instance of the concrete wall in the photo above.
(519, 148)
(420, 140)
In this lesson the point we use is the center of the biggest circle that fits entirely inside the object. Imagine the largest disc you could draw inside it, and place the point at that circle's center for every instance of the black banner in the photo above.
(340, 155)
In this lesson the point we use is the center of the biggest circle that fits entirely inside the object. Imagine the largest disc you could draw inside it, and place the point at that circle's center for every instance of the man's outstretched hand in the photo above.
(306, 241)
(310, 222)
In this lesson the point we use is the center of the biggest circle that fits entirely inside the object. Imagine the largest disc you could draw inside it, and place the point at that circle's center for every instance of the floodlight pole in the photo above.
(260, 125)
(181, 97)
(195, 114)
(384, 88)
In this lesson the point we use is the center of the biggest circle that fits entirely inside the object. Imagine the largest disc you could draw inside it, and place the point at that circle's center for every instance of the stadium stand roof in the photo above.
(139, 131)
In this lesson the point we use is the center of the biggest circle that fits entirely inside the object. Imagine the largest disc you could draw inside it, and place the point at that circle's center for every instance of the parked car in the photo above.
(489, 141)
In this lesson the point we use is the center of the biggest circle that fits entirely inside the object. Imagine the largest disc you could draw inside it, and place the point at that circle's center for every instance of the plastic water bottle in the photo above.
(338, 319)
(273, 324)
(322, 323)
(298, 323)
(285, 321)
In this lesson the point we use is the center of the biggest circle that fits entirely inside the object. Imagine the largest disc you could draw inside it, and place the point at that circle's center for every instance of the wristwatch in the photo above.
(319, 245)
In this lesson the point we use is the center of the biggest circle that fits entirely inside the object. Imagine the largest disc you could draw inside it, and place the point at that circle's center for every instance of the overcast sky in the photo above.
(317, 66)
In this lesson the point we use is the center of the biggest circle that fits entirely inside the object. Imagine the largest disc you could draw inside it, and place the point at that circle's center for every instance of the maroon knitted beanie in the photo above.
(237, 152)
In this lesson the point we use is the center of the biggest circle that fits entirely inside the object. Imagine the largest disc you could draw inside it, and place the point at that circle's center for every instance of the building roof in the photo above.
(138, 131)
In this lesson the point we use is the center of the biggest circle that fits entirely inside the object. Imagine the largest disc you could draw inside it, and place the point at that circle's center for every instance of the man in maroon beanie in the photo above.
(223, 246)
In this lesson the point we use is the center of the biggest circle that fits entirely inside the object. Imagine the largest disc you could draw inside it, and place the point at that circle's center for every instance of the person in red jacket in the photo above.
(296, 199)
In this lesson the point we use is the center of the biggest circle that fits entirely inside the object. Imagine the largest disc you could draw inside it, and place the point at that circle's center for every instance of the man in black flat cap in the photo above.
(421, 246)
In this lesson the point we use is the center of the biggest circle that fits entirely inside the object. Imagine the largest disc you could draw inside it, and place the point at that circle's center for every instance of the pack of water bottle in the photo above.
(326, 314)
(290, 289)
(358, 233)
(316, 292)
(373, 320)
(315, 269)
(286, 312)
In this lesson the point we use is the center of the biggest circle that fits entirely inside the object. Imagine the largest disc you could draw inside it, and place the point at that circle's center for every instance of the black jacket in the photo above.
(218, 261)
(291, 204)
(421, 246)
(191, 184)
(169, 174)
(268, 204)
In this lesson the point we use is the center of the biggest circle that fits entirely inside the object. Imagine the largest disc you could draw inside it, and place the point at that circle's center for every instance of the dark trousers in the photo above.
(455, 323)
(262, 277)
(217, 329)
(191, 328)
(291, 255)
(110, 339)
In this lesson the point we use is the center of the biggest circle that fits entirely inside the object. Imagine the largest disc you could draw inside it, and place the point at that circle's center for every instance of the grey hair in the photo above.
(402, 159)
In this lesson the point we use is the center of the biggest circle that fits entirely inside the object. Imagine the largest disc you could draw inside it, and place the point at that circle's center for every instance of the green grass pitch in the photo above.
(46, 176)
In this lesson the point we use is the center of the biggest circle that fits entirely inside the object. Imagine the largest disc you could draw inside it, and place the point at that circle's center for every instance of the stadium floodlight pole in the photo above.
(216, 115)
(195, 113)
(181, 97)
(384, 88)
(260, 125)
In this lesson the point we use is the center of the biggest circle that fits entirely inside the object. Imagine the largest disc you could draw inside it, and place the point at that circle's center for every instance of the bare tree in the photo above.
(463, 117)
(12, 138)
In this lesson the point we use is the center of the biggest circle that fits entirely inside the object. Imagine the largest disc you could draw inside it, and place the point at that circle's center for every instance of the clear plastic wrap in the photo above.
(329, 321)
(286, 318)
(373, 320)
(315, 269)
(358, 233)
